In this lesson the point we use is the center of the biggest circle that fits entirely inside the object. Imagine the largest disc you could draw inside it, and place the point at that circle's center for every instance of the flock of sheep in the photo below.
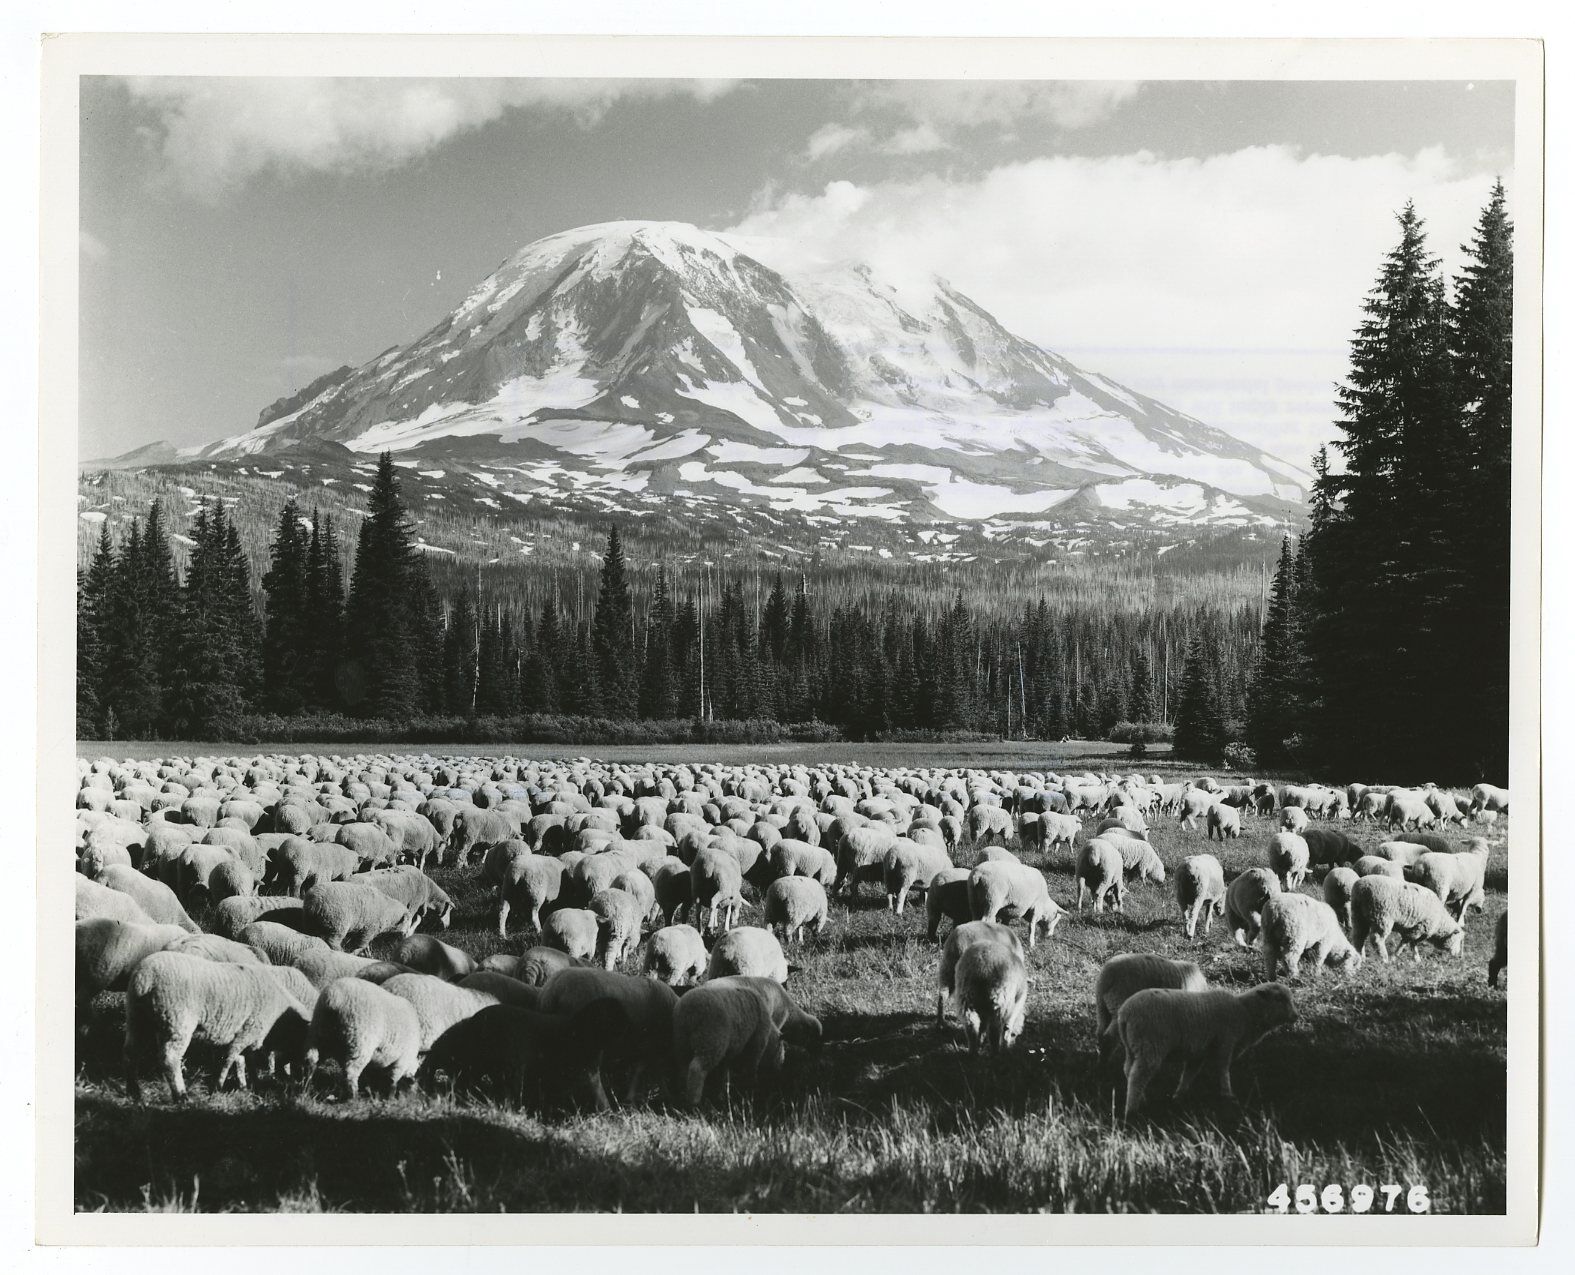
(630, 882)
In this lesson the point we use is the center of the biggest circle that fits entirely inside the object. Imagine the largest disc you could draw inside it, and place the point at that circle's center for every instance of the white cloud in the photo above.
(918, 140)
(1068, 104)
(834, 138)
(91, 246)
(1228, 286)
(214, 134)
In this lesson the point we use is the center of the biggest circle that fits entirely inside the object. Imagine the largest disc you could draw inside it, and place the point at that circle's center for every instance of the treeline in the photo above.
(388, 649)
(1385, 646)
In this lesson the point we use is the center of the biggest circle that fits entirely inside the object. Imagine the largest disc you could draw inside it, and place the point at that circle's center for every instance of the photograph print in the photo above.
(783, 645)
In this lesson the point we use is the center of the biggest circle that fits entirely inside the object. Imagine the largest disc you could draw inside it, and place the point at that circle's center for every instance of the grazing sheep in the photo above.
(1222, 822)
(298, 865)
(531, 881)
(350, 915)
(1058, 830)
(908, 865)
(418, 892)
(504, 988)
(476, 828)
(958, 942)
(1408, 810)
(947, 897)
(359, 1025)
(1289, 859)
(235, 914)
(1294, 926)
(1211, 1025)
(790, 857)
(991, 996)
(1489, 797)
(323, 965)
(172, 999)
(576, 931)
(620, 918)
(95, 901)
(1101, 871)
(795, 1025)
(1138, 858)
(791, 903)
(716, 884)
(438, 1004)
(1381, 906)
(1375, 865)
(1195, 805)
(511, 1049)
(675, 955)
(1455, 878)
(427, 955)
(1330, 846)
(1500, 957)
(1244, 902)
(107, 952)
(1405, 853)
(280, 944)
(211, 947)
(153, 897)
(1337, 885)
(536, 965)
(1200, 891)
(231, 880)
(998, 886)
(862, 856)
(748, 950)
(647, 1004)
(1122, 976)
(1294, 819)
(716, 1026)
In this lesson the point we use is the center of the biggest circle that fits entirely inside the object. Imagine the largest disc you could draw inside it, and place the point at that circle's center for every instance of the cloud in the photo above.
(834, 138)
(91, 246)
(215, 134)
(1228, 285)
(918, 140)
(1067, 104)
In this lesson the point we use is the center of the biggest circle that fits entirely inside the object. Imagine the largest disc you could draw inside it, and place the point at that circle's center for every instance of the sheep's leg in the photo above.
(694, 1081)
(174, 1071)
(503, 913)
(1141, 1069)
(1190, 1066)
(1222, 1062)
(352, 1078)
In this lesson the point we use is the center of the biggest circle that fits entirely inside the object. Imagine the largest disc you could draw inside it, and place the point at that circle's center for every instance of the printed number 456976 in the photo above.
(1332, 1199)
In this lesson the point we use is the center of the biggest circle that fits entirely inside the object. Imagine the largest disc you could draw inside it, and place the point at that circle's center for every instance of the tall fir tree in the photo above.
(1200, 729)
(286, 648)
(658, 696)
(94, 600)
(461, 655)
(213, 649)
(539, 689)
(1140, 699)
(616, 667)
(1274, 712)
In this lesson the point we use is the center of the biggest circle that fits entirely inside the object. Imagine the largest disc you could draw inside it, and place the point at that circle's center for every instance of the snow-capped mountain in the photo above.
(653, 359)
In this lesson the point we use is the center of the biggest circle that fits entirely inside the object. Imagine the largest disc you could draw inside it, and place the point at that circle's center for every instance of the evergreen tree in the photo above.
(324, 613)
(539, 694)
(775, 623)
(94, 600)
(657, 690)
(461, 651)
(286, 648)
(1274, 712)
(613, 645)
(214, 645)
(135, 636)
(1140, 701)
(1200, 730)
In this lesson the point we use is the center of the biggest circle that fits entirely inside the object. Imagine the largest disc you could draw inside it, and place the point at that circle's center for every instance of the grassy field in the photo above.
(1395, 1075)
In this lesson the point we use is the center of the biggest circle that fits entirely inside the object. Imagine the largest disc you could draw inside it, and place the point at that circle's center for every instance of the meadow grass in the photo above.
(1394, 1075)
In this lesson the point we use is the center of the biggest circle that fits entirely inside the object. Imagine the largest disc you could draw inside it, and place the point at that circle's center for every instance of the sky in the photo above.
(1207, 243)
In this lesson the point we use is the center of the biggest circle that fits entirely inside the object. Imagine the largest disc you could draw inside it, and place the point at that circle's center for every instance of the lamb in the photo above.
(508, 1048)
(108, 951)
(998, 886)
(947, 897)
(153, 897)
(1211, 1024)
(619, 915)
(647, 1004)
(1455, 878)
(350, 915)
(1381, 906)
(172, 999)
(1337, 885)
(279, 943)
(1295, 925)
(1244, 903)
(1100, 870)
(1375, 865)
(1223, 821)
(427, 955)
(418, 892)
(958, 942)
(438, 1004)
(576, 931)
(908, 864)
(361, 1025)
(1122, 976)
(1500, 957)
(1289, 859)
(715, 1026)
(792, 903)
(991, 981)
(675, 955)
(99, 901)
(234, 914)
(1200, 891)
(748, 950)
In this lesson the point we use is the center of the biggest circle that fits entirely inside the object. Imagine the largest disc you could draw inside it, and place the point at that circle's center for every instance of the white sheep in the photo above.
(675, 955)
(1381, 906)
(153, 897)
(1293, 819)
(619, 916)
(1297, 925)
(428, 955)
(748, 950)
(325, 965)
(95, 901)
(410, 886)
(1289, 859)
(359, 1025)
(1100, 870)
(576, 931)
(1405, 853)
(235, 914)
(350, 915)
(1223, 822)
(1370, 865)
(947, 897)
(991, 994)
(791, 903)
(281, 944)
(107, 952)
(1455, 878)
(172, 999)
(214, 947)
(438, 1004)
(908, 865)
(1059, 830)
(1337, 885)
(1208, 1026)
(958, 942)
(1138, 858)
(1122, 976)
(1200, 891)
(998, 886)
